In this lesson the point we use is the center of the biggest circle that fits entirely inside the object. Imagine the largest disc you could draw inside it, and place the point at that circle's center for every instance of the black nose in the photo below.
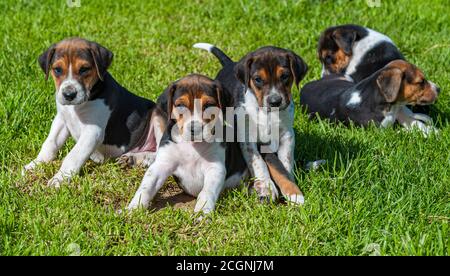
(275, 100)
(438, 90)
(69, 95)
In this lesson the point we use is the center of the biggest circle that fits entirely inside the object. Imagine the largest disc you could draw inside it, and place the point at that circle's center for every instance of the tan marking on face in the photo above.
(280, 71)
(341, 61)
(68, 59)
(258, 91)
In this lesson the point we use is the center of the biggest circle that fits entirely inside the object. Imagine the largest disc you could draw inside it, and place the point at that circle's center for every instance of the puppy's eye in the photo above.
(180, 106)
(83, 70)
(285, 77)
(258, 81)
(328, 59)
(57, 71)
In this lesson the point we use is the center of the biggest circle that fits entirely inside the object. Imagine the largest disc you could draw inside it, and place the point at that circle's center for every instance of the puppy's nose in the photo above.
(438, 90)
(69, 94)
(275, 100)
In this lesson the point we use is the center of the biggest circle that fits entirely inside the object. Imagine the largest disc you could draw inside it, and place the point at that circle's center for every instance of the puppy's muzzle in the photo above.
(275, 100)
(69, 93)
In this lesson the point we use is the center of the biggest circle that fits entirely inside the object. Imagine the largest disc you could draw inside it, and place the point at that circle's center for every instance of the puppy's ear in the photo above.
(344, 40)
(169, 92)
(102, 58)
(45, 60)
(298, 67)
(389, 82)
(242, 70)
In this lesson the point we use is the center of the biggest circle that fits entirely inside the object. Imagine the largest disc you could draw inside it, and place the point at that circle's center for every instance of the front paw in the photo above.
(266, 190)
(297, 199)
(56, 181)
(425, 129)
(29, 167)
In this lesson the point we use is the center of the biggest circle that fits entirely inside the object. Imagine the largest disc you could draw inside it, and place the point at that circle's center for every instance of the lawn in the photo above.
(382, 192)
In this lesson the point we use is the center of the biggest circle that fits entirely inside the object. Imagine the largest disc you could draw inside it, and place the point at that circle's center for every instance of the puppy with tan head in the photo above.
(103, 118)
(380, 98)
(261, 84)
(192, 148)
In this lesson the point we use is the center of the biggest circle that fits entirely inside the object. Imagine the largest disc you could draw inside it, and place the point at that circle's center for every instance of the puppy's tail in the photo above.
(283, 179)
(223, 58)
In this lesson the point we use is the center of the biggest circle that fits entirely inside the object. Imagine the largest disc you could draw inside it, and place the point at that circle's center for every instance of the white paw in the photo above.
(266, 189)
(297, 199)
(314, 165)
(29, 167)
(56, 181)
(422, 117)
(425, 129)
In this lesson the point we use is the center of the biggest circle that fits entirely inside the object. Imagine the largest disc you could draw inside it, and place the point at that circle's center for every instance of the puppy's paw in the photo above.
(29, 167)
(297, 199)
(56, 181)
(426, 130)
(125, 161)
(314, 165)
(422, 117)
(266, 189)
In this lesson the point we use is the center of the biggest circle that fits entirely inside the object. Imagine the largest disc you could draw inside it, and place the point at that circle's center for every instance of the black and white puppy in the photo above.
(202, 165)
(357, 52)
(105, 119)
(261, 83)
(379, 98)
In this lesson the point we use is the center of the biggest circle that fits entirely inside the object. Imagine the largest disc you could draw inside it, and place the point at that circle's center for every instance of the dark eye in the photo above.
(328, 59)
(180, 105)
(285, 77)
(83, 70)
(57, 71)
(423, 82)
(258, 81)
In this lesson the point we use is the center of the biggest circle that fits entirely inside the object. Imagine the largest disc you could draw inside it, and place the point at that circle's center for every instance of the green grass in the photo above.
(387, 187)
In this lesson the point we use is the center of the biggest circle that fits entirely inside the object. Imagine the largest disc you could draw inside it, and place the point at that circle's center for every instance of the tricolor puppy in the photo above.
(191, 148)
(104, 118)
(380, 98)
(358, 52)
(261, 83)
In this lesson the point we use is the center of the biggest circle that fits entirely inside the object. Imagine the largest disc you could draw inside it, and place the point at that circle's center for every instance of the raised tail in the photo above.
(221, 56)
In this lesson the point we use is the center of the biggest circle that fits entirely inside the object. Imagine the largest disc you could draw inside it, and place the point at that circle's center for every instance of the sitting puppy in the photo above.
(358, 52)
(189, 150)
(380, 98)
(261, 83)
(104, 118)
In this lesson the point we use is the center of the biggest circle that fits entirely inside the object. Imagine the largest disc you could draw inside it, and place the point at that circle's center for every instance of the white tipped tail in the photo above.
(205, 46)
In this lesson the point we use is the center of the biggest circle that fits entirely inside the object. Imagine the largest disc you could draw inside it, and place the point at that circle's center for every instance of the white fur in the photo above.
(204, 46)
(283, 145)
(361, 47)
(200, 170)
(355, 99)
(86, 123)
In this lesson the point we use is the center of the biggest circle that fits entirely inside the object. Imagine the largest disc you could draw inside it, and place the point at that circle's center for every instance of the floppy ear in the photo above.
(242, 70)
(102, 58)
(344, 40)
(298, 67)
(169, 92)
(45, 60)
(389, 82)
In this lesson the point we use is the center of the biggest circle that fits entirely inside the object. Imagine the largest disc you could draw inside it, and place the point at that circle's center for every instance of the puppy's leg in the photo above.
(92, 136)
(213, 186)
(153, 180)
(286, 150)
(57, 137)
(283, 179)
(410, 120)
(258, 169)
